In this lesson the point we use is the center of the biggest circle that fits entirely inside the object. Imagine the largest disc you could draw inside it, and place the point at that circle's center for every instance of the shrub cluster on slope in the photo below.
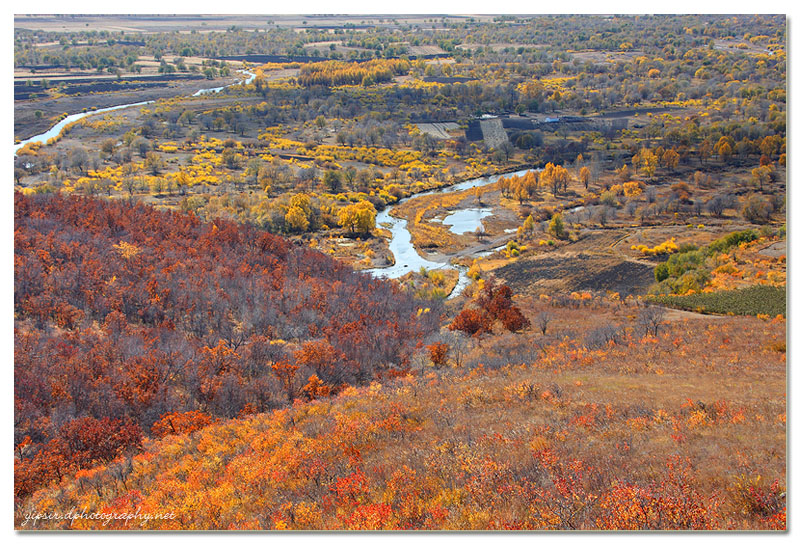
(480, 448)
(757, 300)
(692, 268)
(127, 313)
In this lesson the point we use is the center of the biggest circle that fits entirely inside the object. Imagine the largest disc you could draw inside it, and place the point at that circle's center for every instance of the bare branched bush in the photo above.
(542, 320)
(601, 336)
(651, 319)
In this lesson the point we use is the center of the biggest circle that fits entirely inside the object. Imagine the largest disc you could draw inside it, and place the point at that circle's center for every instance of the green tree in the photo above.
(333, 180)
(556, 227)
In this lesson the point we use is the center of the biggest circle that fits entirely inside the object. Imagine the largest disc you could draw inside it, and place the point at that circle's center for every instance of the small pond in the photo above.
(467, 220)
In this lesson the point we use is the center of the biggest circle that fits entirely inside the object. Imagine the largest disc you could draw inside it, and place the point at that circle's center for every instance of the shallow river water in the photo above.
(406, 256)
(56, 129)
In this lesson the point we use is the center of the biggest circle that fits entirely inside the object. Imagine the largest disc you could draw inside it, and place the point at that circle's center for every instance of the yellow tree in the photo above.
(527, 227)
(556, 227)
(724, 148)
(585, 176)
(521, 192)
(531, 181)
(154, 163)
(182, 181)
(525, 187)
(560, 179)
(298, 216)
(546, 176)
(725, 151)
(647, 162)
(670, 159)
(770, 145)
(761, 174)
(358, 217)
(635, 161)
(302, 201)
(555, 176)
(479, 195)
(297, 219)
(506, 186)
(704, 151)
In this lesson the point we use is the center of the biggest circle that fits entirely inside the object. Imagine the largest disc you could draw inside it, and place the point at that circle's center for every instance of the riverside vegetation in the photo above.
(195, 331)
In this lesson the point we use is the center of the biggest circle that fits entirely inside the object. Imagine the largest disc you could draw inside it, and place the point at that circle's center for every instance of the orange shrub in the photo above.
(180, 423)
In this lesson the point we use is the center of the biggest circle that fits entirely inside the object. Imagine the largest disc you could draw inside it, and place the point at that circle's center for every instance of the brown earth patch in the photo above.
(577, 272)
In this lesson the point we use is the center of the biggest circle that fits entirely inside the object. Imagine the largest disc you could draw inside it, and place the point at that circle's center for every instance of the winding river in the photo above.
(56, 129)
(406, 256)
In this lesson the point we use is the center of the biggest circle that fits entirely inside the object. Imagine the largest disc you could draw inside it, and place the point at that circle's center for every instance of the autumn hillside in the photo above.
(635, 430)
(126, 316)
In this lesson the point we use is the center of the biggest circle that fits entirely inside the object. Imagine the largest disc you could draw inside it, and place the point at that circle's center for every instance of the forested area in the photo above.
(125, 314)
(593, 337)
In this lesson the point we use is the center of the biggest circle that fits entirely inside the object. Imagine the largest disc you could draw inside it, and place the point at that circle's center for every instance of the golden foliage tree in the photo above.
(358, 217)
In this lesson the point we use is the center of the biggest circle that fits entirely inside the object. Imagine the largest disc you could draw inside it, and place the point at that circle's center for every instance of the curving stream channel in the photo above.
(406, 256)
(56, 129)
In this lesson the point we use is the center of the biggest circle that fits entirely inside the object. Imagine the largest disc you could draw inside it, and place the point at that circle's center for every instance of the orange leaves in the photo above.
(777, 521)
(760, 501)
(20, 448)
(495, 305)
(587, 417)
(322, 357)
(637, 424)
(67, 315)
(438, 353)
(350, 462)
(47, 465)
(672, 503)
(350, 490)
(370, 517)
(623, 508)
(215, 365)
(471, 322)
(315, 388)
(181, 306)
(180, 423)
(285, 372)
(524, 390)
(307, 516)
(140, 381)
(698, 418)
(582, 296)
(80, 444)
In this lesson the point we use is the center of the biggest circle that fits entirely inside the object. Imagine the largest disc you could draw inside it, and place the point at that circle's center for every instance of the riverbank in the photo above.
(407, 256)
(27, 123)
(451, 223)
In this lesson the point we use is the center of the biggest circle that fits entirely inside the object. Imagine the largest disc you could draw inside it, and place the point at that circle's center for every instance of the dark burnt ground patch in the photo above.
(578, 272)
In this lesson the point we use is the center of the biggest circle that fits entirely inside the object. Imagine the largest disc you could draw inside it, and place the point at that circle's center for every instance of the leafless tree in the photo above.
(651, 318)
(543, 319)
